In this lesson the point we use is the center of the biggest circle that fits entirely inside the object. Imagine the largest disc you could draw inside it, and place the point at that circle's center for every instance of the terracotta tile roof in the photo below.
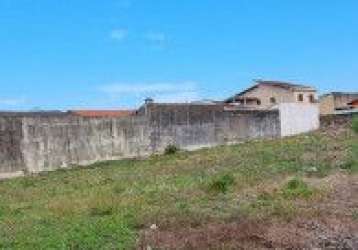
(102, 113)
(354, 103)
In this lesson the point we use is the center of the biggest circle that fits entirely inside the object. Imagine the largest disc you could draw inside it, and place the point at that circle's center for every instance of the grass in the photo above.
(355, 124)
(222, 183)
(296, 188)
(106, 205)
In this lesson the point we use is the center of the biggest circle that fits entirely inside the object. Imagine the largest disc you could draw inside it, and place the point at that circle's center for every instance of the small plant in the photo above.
(350, 165)
(355, 123)
(296, 188)
(101, 211)
(171, 149)
(355, 215)
(222, 183)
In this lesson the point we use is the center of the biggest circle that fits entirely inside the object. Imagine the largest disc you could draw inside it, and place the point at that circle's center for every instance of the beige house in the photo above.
(265, 94)
(337, 101)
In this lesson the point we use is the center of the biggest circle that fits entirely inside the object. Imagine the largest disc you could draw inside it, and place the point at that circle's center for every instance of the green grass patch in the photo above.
(296, 188)
(355, 123)
(355, 215)
(222, 183)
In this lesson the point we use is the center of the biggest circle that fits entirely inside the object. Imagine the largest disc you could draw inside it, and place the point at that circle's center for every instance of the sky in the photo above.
(112, 54)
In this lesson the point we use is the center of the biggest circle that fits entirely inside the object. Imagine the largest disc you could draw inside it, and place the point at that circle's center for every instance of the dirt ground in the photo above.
(331, 223)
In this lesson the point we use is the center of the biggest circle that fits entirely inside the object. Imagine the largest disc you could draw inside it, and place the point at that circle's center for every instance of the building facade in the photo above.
(266, 94)
(338, 101)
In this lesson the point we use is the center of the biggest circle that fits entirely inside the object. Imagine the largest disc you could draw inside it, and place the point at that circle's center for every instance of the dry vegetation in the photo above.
(298, 192)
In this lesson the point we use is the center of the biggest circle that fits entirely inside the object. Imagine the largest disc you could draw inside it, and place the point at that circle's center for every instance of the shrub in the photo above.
(222, 183)
(355, 123)
(171, 149)
(351, 165)
(355, 215)
(296, 188)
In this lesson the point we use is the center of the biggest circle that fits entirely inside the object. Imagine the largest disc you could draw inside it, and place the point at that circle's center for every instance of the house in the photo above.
(265, 94)
(338, 101)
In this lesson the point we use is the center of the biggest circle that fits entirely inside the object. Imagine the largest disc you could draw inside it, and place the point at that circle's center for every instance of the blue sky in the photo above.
(68, 54)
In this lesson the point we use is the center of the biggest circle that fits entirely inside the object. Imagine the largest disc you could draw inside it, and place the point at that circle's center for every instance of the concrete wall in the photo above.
(36, 143)
(59, 142)
(195, 126)
(10, 144)
(336, 121)
(298, 118)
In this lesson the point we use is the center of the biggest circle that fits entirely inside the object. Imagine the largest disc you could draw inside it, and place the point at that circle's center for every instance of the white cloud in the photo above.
(157, 38)
(12, 101)
(161, 92)
(119, 34)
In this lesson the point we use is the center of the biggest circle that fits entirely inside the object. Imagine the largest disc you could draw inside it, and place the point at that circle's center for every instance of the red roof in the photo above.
(102, 113)
(354, 103)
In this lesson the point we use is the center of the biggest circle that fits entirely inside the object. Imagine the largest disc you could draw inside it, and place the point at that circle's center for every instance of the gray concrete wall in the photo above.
(195, 126)
(60, 142)
(10, 144)
(36, 143)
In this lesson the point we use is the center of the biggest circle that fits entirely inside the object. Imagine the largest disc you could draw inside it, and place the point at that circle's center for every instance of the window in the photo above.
(312, 98)
(273, 100)
(300, 97)
(259, 102)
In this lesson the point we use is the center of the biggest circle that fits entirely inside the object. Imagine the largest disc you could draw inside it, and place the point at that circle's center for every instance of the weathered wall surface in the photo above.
(57, 142)
(195, 126)
(36, 143)
(337, 121)
(298, 118)
(10, 145)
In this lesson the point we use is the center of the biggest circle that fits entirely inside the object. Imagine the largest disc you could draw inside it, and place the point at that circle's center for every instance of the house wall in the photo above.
(298, 118)
(326, 105)
(282, 95)
(331, 102)
(342, 100)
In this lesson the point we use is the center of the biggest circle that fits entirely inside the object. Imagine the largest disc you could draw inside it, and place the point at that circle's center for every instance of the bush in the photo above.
(351, 165)
(355, 123)
(171, 149)
(222, 183)
(296, 188)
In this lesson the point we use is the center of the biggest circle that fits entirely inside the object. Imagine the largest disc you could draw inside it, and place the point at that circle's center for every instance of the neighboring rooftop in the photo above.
(285, 84)
(335, 93)
(280, 84)
(102, 113)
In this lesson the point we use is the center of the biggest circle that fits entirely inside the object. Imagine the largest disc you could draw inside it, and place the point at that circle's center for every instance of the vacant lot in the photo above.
(291, 193)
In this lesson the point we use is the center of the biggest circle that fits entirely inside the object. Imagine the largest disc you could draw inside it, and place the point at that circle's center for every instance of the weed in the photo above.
(296, 188)
(355, 123)
(355, 215)
(350, 165)
(222, 183)
(101, 211)
(171, 149)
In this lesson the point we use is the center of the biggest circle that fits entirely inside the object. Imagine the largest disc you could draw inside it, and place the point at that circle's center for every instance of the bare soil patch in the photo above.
(331, 223)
